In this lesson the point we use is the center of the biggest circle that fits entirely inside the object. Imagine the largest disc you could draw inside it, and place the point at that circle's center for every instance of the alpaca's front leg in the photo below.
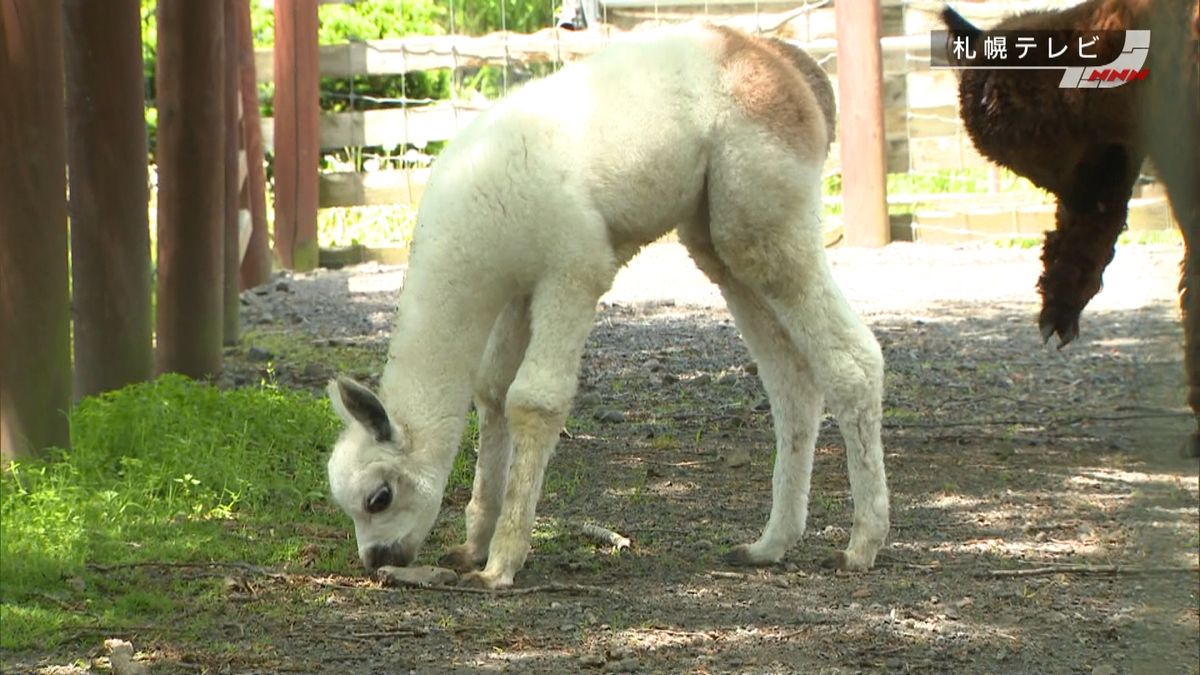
(1092, 206)
(487, 493)
(505, 348)
(537, 406)
(1189, 287)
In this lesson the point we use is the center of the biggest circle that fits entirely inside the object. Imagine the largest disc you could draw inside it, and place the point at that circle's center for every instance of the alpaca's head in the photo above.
(376, 480)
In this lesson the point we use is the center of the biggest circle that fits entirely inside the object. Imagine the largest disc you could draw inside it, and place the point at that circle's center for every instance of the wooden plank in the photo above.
(863, 148)
(400, 186)
(901, 54)
(231, 93)
(35, 357)
(256, 264)
(398, 56)
(933, 122)
(191, 187)
(296, 125)
(387, 127)
(110, 229)
(940, 153)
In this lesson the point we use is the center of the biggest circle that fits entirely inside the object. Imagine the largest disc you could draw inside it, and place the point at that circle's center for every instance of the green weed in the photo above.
(163, 474)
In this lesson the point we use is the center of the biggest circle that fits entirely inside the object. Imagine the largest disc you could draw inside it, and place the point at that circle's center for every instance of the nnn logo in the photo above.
(1115, 75)
(1127, 67)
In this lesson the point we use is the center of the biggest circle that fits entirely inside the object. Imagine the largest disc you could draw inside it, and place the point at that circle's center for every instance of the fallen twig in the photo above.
(718, 574)
(1121, 570)
(1034, 422)
(400, 632)
(543, 588)
(244, 566)
(605, 536)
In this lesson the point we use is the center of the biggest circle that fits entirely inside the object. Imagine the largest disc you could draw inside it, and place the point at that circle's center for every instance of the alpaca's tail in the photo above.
(957, 24)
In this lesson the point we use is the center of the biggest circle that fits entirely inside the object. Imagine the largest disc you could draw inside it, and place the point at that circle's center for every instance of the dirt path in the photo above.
(1002, 455)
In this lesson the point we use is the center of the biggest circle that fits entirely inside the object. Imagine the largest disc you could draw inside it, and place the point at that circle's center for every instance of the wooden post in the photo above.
(35, 354)
(297, 141)
(864, 151)
(256, 266)
(110, 232)
(191, 186)
(231, 267)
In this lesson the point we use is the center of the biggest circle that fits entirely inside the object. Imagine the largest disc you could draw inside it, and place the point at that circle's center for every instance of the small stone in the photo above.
(121, 658)
(619, 653)
(259, 354)
(592, 660)
(762, 405)
(727, 379)
(628, 665)
(316, 371)
(861, 593)
(750, 367)
(609, 416)
(1104, 669)
(283, 287)
(266, 317)
(589, 399)
(737, 458)
(423, 575)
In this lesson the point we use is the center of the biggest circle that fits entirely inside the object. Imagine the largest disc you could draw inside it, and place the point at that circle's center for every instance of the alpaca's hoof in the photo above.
(460, 559)
(1053, 323)
(741, 556)
(847, 562)
(491, 582)
(1191, 447)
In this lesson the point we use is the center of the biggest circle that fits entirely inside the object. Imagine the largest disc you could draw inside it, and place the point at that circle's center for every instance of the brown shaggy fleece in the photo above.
(1087, 146)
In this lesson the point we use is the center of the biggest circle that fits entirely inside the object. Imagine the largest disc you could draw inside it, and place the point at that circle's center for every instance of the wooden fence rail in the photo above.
(922, 130)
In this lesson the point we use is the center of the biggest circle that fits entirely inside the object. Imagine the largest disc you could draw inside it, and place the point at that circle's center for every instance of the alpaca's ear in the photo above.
(355, 403)
(955, 23)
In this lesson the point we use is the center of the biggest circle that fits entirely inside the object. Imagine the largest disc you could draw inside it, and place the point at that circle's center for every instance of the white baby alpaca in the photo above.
(528, 216)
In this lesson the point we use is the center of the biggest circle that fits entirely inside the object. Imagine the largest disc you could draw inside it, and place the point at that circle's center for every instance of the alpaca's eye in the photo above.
(379, 499)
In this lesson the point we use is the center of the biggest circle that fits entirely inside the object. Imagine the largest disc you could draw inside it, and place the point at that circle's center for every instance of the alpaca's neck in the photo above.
(441, 329)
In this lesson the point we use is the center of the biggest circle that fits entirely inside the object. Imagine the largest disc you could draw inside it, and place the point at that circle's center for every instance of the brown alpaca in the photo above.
(1087, 146)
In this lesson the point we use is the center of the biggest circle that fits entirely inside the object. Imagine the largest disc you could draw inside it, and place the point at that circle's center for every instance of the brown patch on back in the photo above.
(780, 86)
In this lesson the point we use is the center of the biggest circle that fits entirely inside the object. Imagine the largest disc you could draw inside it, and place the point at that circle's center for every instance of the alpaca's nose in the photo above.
(381, 555)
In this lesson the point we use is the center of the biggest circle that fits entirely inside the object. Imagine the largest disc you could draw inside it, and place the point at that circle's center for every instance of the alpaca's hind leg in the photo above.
(561, 314)
(796, 410)
(847, 361)
(771, 241)
(505, 347)
(795, 404)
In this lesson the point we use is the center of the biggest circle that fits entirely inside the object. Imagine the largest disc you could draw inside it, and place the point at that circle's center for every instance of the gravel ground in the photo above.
(1020, 475)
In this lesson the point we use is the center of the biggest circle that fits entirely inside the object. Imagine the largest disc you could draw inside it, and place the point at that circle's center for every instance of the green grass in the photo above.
(168, 472)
